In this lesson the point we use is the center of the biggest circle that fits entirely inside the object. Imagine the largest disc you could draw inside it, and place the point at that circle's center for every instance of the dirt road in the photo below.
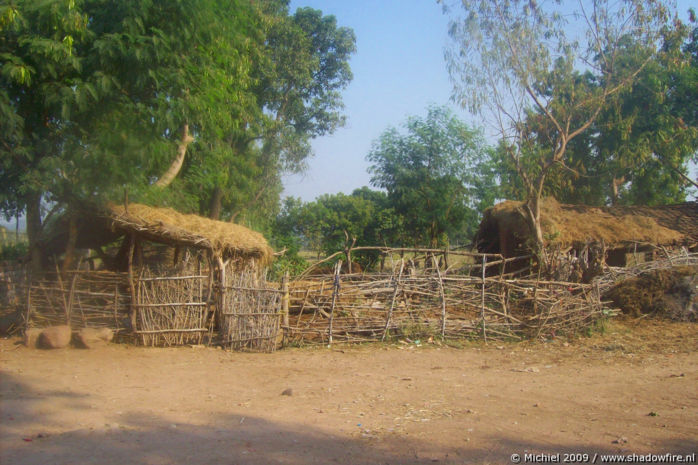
(632, 389)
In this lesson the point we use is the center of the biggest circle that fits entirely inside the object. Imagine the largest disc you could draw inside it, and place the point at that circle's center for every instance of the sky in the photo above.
(399, 70)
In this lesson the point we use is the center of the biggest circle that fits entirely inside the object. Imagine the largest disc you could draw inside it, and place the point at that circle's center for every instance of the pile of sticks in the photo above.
(671, 259)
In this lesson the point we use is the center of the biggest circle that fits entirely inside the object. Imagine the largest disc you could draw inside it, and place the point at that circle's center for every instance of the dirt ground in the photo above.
(630, 389)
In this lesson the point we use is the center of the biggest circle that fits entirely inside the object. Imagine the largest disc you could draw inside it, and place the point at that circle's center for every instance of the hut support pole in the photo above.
(131, 284)
(221, 292)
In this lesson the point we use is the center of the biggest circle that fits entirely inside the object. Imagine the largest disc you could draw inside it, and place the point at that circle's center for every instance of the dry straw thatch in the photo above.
(570, 225)
(169, 226)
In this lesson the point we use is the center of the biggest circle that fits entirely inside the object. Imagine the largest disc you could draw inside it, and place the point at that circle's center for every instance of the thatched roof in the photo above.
(168, 226)
(98, 226)
(504, 226)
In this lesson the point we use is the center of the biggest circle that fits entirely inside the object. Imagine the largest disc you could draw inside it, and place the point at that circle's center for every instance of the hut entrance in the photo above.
(171, 310)
(249, 313)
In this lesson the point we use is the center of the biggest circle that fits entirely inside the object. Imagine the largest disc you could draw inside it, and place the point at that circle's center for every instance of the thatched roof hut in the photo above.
(504, 228)
(97, 227)
(167, 226)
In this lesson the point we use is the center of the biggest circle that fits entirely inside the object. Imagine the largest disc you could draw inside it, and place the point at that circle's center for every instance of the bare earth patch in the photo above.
(631, 389)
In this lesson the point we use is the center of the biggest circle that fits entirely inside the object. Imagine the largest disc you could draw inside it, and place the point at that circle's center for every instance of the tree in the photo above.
(431, 175)
(336, 222)
(300, 67)
(194, 104)
(636, 151)
(513, 60)
(100, 95)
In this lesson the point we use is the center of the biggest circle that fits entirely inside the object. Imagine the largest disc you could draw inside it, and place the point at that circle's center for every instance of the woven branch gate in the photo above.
(250, 317)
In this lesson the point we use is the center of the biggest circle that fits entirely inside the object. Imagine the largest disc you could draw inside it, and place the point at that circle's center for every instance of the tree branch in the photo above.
(172, 172)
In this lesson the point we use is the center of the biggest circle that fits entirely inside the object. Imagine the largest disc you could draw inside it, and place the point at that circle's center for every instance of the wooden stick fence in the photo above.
(81, 299)
(376, 307)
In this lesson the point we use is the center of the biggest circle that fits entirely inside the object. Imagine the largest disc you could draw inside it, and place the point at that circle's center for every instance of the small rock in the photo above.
(31, 337)
(89, 338)
(287, 392)
(621, 440)
(55, 337)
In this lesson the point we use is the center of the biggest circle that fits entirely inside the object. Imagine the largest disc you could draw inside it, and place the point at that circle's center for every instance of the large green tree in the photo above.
(100, 95)
(299, 70)
(513, 59)
(195, 104)
(434, 176)
(637, 150)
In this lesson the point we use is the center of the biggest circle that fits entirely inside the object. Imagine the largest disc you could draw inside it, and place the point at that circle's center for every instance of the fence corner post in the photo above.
(285, 297)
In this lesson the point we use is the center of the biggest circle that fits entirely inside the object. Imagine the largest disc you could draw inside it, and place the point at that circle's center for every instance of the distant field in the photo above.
(8, 237)
(454, 261)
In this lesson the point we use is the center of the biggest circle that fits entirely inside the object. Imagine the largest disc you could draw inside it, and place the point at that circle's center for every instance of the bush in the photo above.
(13, 252)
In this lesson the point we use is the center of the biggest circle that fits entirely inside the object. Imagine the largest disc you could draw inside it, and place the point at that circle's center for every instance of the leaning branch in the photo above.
(172, 172)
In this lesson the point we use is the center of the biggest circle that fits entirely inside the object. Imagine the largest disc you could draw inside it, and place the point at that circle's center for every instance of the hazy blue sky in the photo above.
(398, 69)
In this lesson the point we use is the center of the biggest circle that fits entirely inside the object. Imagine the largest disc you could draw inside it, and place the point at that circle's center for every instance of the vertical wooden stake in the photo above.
(132, 286)
(392, 303)
(221, 293)
(116, 308)
(285, 297)
(484, 264)
(335, 291)
(443, 303)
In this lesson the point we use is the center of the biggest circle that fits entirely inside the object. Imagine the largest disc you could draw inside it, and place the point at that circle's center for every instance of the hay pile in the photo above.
(169, 226)
(669, 293)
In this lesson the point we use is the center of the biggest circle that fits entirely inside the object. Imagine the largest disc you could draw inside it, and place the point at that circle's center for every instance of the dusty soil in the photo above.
(630, 389)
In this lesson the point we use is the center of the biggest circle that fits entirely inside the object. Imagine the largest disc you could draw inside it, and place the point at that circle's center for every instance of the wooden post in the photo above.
(335, 291)
(221, 292)
(392, 303)
(132, 286)
(285, 297)
(443, 303)
(484, 265)
(116, 308)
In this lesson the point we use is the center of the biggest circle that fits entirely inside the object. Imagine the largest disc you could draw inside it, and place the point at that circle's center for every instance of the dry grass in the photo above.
(565, 225)
(174, 227)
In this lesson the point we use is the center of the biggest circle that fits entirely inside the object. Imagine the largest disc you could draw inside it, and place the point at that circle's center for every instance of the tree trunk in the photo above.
(34, 232)
(69, 257)
(533, 218)
(214, 211)
(172, 172)
(615, 186)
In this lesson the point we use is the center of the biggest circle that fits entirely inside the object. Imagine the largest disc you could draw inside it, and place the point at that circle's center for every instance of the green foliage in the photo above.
(94, 96)
(641, 142)
(332, 222)
(436, 175)
(543, 82)
(15, 251)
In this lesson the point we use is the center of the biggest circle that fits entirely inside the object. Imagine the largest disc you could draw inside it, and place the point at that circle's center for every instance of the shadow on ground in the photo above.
(230, 439)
